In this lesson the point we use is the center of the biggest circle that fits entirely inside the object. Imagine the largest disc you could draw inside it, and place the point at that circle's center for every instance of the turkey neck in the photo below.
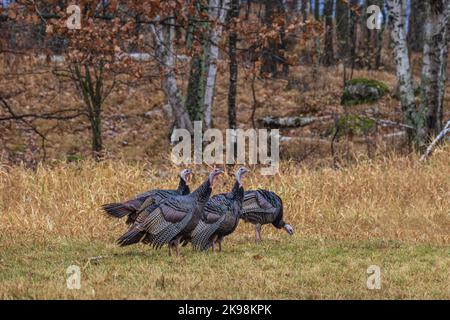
(202, 193)
(183, 188)
(200, 197)
(237, 193)
(279, 222)
(234, 193)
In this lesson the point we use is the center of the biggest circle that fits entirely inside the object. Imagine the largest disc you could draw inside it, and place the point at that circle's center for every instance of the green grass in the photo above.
(279, 268)
(393, 213)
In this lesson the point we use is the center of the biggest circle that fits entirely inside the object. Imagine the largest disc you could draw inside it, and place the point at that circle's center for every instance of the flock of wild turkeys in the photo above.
(174, 217)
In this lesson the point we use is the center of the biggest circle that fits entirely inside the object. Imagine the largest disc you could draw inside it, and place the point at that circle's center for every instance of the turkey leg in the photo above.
(214, 243)
(220, 244)
(177, 246)
(258, 232)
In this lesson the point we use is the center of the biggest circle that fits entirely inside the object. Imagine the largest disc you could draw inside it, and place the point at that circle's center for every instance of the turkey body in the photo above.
(133, 207)
(170, 220)
(262, 207)
(221, 217)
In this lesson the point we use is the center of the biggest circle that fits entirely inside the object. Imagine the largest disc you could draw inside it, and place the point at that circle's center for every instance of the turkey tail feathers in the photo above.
(117, 210)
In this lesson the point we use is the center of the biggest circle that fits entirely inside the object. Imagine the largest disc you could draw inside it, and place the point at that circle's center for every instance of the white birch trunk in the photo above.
(217, 12)
(435, 55)
(165, 51)
(397, 22)
(438, 139)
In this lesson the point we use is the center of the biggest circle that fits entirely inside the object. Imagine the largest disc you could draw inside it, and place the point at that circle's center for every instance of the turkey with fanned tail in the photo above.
(263, 207)
(170, 220)
(133, 207)
(221, 216)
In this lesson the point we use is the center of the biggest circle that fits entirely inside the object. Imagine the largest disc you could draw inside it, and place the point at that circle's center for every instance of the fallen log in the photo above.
(394, 135)
(438, 139)
(308, 140)
(287, 139)
(290, 122)
(389, 123)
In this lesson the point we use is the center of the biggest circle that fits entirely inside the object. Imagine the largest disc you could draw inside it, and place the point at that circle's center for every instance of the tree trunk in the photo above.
(197, 77)
(342, 29)
(353, 34)
(364, 36)
(317, 10)
(96, 129)
(283, 44)
(164, 42)
(397, 19)
(416, 28)
(169, 85)
(270, 52)
(232, 43)
(435, 56)
(328, 58)
(91, 90)
(217, 12)
(379, 36)
(305, 9)
(318, 54)
(196, 87)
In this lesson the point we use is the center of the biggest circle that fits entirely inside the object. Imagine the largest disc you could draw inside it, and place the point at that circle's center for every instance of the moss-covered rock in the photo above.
(74, 158)
(362, 90)
(352, 124)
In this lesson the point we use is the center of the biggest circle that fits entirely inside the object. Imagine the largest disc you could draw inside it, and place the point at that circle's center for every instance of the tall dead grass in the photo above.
(393, 198)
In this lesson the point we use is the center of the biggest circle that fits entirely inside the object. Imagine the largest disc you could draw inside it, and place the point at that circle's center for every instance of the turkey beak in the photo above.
(188, 176)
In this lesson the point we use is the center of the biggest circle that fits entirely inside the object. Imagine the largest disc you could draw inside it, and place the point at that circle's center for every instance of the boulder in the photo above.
(361, 90)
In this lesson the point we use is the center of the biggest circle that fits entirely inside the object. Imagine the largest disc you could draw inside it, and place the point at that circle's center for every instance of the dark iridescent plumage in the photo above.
(221, 217)
(170, 220)
(133, 207)
(263, 207)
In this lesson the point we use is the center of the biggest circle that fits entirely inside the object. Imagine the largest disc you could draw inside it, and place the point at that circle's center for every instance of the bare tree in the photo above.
(164, 35)
(353, 33)
(232, 43)
(328, 58)
(217, 12)
(197, 40)
(397, 19)
(416, 19)
(427, 119)
(90, 83)
(379, 35)
(342, 29)
(435, 56)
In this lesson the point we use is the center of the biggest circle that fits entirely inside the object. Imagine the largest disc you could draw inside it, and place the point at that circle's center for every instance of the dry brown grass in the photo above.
(391, 198)
(394, 212)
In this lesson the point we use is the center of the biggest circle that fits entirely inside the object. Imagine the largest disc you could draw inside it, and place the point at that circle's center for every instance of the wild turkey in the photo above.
(221, 216)
(263, 207)
(133, 207)
(171, 219)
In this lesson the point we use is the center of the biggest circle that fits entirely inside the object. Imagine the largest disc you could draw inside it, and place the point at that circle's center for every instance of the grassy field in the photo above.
(392, 212)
